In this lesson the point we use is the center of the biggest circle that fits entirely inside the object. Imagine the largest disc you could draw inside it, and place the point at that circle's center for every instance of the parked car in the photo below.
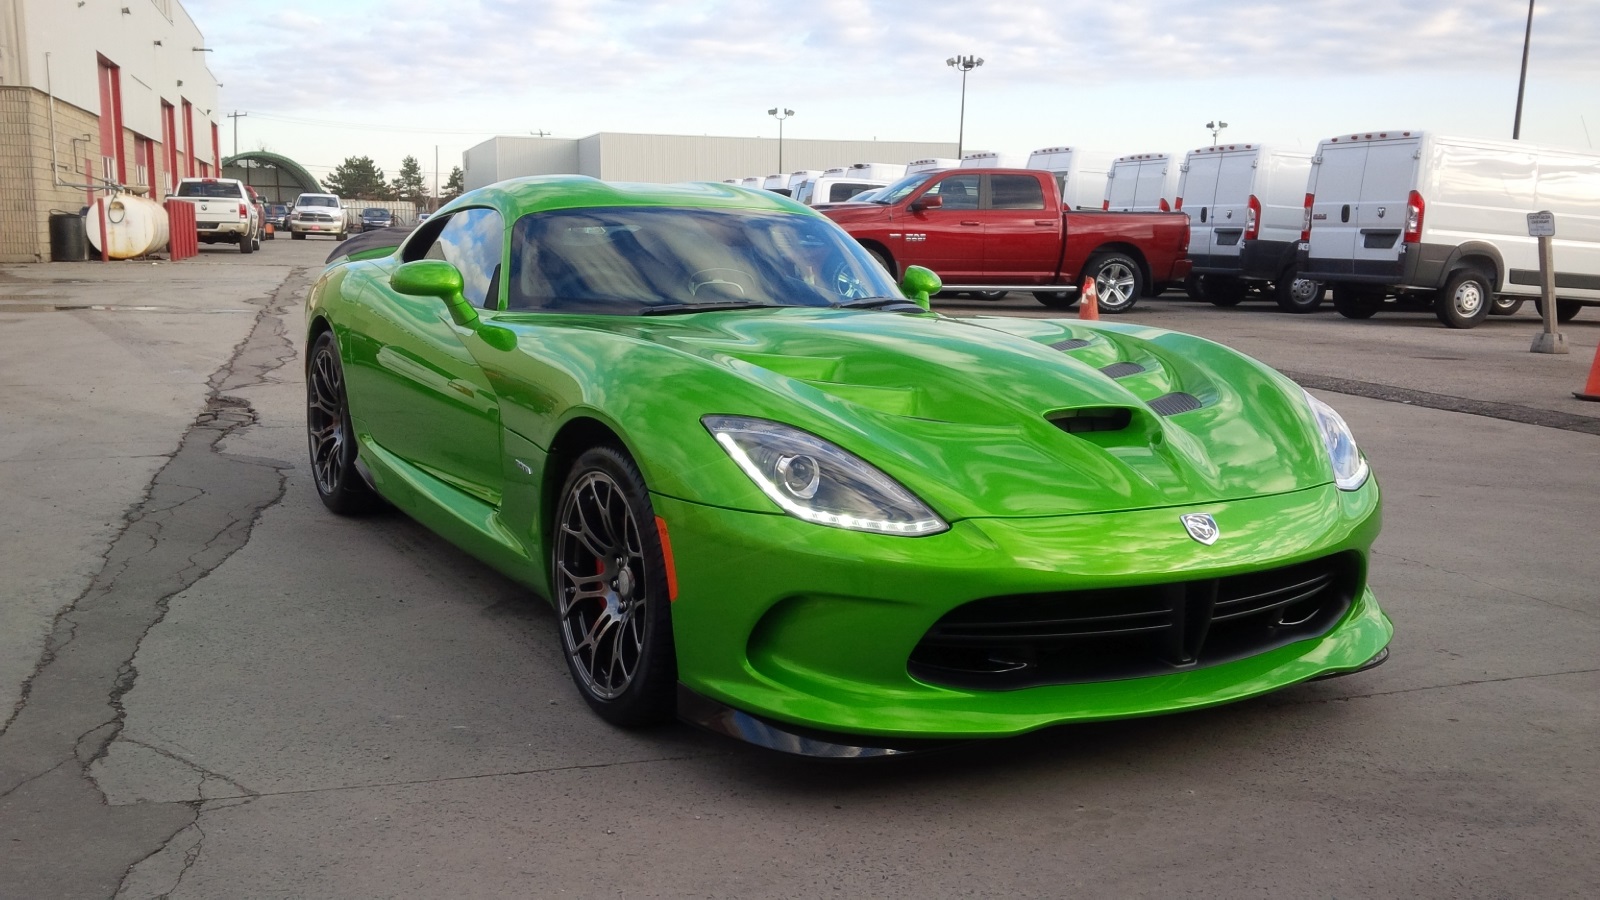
(1142, 182)
(224, 211)
(1434, 221)
(374, 218)
(998, 230)
(318, 214)
(766, 490)
(1245, 203)
(278, 215)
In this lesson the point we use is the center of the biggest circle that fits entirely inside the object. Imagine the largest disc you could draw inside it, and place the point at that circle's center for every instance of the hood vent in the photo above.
(1122, 369)
(1070, 344)
(1175, 402)
(1081, 421)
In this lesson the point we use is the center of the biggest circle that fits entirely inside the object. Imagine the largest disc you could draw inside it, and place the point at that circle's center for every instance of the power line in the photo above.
(361, 126)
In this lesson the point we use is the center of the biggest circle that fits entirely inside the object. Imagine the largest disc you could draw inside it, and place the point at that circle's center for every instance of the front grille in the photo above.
(1074, 637)
(315, 217)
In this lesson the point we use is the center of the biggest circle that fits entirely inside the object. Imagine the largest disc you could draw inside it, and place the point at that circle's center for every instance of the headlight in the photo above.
(1350, 469)
(813, 480)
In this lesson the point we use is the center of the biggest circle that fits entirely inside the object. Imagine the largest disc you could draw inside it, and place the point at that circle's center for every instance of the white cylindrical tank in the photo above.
(135, 226)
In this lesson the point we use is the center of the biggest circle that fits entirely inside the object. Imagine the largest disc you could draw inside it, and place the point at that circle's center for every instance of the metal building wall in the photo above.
(507, 157)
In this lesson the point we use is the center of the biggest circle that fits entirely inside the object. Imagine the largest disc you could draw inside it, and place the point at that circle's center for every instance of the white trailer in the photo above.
(1245, 204)
(1080, 174)
(1429, 220)
(1142, 182)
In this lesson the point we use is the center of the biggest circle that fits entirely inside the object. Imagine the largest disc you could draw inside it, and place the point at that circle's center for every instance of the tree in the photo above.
(456, 186)
(408, 185)
(357, 178)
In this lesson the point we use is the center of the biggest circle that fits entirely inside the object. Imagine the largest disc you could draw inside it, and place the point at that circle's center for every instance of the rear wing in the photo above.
(369, 245)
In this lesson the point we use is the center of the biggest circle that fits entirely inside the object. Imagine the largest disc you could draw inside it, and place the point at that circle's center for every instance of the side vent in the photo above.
(1080, 421)
(1175, 402)
(1122, 369)
(1070, 344)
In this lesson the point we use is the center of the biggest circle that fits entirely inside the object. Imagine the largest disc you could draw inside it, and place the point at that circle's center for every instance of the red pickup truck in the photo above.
(995, 230)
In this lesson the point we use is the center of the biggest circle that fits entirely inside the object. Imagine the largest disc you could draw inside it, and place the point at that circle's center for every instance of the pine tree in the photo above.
(408, 185)
(357, 178)
(457, 185)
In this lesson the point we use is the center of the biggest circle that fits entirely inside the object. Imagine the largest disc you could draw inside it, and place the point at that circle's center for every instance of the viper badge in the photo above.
(1201, 527)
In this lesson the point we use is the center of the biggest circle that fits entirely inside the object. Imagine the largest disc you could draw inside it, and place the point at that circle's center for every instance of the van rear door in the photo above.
(1388, 178)
(1336, 186)
(1198, 194)
(1236, 178)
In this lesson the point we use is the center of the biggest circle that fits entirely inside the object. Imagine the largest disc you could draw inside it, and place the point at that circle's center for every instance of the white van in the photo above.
(1080, 174)
(1245, 204)
(1439, 221)
(988, 159)
(778, 184)
(838, 185)
(1142, 182)
(752, 181)
(932, 164)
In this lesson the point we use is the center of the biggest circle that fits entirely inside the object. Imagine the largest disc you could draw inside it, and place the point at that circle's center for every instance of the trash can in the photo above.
(68, 242)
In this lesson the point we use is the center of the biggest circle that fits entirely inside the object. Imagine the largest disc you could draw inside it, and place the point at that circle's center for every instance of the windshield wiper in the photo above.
(668, 309)
(878, 303)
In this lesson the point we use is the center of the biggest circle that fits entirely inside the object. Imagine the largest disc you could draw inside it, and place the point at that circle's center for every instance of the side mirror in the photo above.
(919, 284)
(435, 278)
(927, 202)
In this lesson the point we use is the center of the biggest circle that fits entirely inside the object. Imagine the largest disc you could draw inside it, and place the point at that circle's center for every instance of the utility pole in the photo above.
(435, 176)
(236, 116)
(1522, 82)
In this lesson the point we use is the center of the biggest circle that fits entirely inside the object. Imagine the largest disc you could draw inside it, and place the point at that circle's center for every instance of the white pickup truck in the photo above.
(223, 212)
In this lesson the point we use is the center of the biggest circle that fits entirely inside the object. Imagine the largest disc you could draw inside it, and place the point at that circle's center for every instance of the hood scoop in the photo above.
(1091, 419)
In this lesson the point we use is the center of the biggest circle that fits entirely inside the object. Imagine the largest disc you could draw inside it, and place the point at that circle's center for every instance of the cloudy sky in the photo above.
(325, 80)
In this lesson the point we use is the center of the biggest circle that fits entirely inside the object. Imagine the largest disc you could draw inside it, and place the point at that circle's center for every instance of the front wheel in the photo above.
(883, 260)
(610, 584)
(1297, 295)
(1056, 299)
(1465, 300)
(1223, 290)
(330, 434)
(1117, 282)
(989, 296)
(1355, 302)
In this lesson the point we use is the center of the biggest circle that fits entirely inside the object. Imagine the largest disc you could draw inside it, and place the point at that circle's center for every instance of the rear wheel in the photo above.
(297, 235)
(1117, 282)
(1056, 299)
(1505, 306)
(1192, 287)
(330, 434)
(1465, 300)
(1223, 290)
(247, 243)
(610, 582)
(1355, 302)
(1565, 309)
(1297, 295)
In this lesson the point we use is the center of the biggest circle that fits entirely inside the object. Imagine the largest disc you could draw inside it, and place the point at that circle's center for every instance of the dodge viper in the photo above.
(767, 490)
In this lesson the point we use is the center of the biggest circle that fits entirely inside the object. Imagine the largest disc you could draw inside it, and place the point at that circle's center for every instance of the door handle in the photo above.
(1044, 221)
(972, 223)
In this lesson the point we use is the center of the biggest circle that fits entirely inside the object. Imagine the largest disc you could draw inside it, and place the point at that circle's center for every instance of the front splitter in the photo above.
(698, 709)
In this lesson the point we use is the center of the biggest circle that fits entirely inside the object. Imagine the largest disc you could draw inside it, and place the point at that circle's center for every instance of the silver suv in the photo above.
(317, 214)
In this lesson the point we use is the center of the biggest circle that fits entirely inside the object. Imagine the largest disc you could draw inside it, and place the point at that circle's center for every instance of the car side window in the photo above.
(1015, 192)
(471, 240)
(957, 191)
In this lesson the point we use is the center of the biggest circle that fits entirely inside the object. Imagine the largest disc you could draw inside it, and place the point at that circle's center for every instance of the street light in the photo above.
(773, 112)
(1216, 127)
(1522, 81)
(963, 64)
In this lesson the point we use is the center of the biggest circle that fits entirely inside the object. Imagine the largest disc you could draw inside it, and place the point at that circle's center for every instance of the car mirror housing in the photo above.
(435, 278)
(927, 202)
(919, 284)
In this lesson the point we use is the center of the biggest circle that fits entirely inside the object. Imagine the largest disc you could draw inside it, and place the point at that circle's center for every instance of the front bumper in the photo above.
(299, 227)
(814, 627)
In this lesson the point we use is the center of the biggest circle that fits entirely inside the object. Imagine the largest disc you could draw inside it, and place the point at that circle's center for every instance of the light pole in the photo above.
(1522, 82)
(1216, 127)
(773, 112)
(963, 64)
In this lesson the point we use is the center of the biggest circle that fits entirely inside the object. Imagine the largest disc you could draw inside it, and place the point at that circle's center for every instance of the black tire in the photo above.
(329, 434)
(1354, 302)
(297, 235)
(1297, 295)
(1506, 306)
(1465, 300)
(884, 260)
(1118, 282)
(989, 296)
(1193, 287)
(1056, 299)
(616, 624)
(1224, 290)
(1566, 310)
(247, 243)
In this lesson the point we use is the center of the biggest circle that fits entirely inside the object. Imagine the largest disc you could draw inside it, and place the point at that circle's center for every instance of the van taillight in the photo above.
(1179, 204)
(1165, 207)
(1252, 218)
(1105, 204)
(1414, 210)
(1305, 220)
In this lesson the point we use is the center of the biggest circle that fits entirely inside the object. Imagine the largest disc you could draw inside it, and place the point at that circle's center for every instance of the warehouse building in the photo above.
(666, 158)
(97, 96)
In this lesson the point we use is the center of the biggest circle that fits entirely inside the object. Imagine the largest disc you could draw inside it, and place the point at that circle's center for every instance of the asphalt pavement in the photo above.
(215, 688)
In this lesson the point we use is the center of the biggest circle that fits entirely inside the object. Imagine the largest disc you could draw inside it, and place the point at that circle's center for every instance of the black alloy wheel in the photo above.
(612, 605)
(330, 435)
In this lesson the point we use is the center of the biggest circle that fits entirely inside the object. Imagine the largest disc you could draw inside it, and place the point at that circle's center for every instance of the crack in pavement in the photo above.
(61, 836)
(1453, 684)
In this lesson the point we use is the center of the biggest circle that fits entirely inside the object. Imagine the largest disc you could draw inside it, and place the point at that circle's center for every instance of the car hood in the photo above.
(984, 416)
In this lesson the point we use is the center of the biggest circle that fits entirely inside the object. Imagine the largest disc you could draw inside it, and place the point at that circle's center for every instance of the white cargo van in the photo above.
(932, 164)
(1142, 182)
(987, 159)
(1245, 204)
(1080, 174)
(840, 184)
(1437, 221)
(778, 184)
(751, 181)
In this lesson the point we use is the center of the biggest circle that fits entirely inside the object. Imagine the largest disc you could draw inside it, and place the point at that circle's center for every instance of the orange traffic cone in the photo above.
(1088, 300)
(1591, 390)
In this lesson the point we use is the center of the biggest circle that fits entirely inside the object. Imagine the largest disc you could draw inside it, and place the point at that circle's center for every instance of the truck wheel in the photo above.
(1465, 300)
(1353, 302)
(1505, 306)
(1056, 299)
(1565, 309)
(1297, 295)
(989, 296)
(1193, 287)
(883, 260)
(1223, 290)
(297, 235)
(1116, 282)
(247, 244)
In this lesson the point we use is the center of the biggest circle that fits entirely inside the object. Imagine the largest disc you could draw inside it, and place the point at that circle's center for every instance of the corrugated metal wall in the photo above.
(617, 156)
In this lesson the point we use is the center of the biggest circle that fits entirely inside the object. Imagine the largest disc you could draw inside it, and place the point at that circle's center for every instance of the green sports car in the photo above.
(768, 491)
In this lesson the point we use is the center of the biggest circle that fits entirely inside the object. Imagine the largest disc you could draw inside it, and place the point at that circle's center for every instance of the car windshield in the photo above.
(627, 261)
(898, 191)
(209, 189)
(316, 201)
(374, 213)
